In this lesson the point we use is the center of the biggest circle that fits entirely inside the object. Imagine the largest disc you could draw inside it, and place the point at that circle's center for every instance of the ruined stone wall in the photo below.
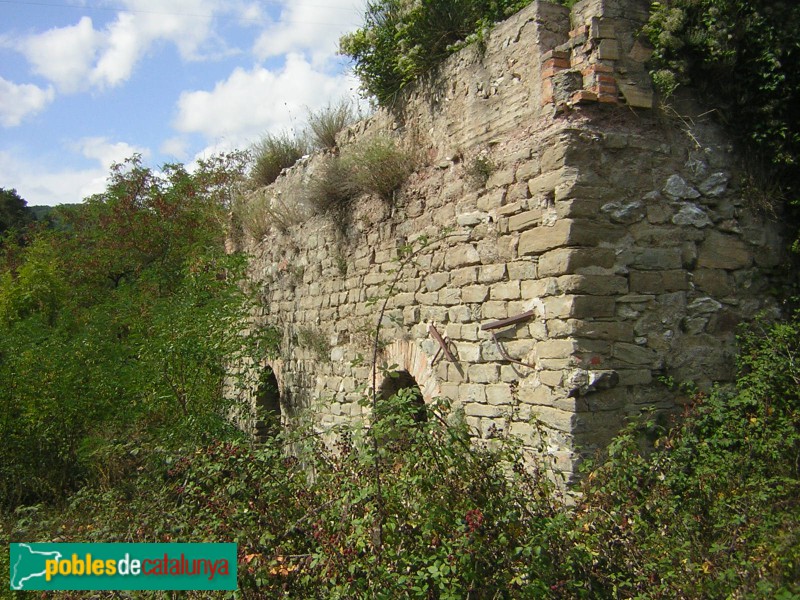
(625, 232)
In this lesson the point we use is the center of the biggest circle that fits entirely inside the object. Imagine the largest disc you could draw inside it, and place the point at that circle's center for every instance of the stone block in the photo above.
(500, 178)
(461, 256)
(484, 410)
(562, 261)
(566, 232)
(483, 373)
(635, 376)
(657, 259)
(606, 330)
(495, 309)
(468, 353)
(459, 314)
(555, 348)
(499, 394)
(449, 296)
(721, 251)
(463, 276)
(551, 378)
(427, 298)
(525, 220)
(505, 290)
(528, 170)
(492, 273)
(633, 354)
(522, 269)
(556, 418)
(579, 306)
(475, 293)
(598, 285)
(472, 394)
(544, 184)
(403, 299)
(436, 281)
(716, 282)
(658, 282)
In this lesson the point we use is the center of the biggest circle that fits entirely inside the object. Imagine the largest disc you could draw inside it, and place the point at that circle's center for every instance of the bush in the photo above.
(328, 122)
(714, 512)
(741, 55)
(273, 154)
(260, 214)
(375, 166)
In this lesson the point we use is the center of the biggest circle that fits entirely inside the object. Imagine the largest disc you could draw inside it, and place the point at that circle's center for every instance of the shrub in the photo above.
(478, 171)
(260, 214)
(274, 153)
(714, 512)
(331, 188)
(328, 122)
(375, 166)
(379, 167)
(741, 55)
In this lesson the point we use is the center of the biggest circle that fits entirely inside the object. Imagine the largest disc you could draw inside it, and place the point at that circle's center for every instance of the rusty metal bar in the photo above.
(438, 337)
(509, 321)
(505, 354)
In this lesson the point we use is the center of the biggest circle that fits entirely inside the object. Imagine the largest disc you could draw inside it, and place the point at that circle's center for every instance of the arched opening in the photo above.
(267, 407)
(410, 399)
(399, 410)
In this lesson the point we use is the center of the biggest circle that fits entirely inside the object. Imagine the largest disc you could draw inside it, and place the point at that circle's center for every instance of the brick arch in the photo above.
(409, 357)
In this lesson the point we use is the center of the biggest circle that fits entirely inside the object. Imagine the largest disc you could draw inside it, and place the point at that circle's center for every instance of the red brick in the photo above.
(584, 96)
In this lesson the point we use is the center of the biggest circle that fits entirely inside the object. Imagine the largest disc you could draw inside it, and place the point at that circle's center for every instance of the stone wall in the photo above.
(624, 235)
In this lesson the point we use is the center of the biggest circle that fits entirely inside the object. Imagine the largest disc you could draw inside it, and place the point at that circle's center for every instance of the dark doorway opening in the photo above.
(268, 407)
(410, 397)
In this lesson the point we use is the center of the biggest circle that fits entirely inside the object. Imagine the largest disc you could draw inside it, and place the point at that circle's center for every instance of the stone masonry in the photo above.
(617, 239)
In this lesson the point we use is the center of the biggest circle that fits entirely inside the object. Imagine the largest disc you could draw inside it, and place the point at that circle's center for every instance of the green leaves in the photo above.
(743, 58)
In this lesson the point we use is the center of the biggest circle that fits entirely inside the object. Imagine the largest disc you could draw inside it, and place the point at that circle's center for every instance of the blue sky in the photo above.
(85, 83)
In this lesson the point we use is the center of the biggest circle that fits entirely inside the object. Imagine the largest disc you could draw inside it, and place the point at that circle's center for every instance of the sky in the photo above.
(86, 83)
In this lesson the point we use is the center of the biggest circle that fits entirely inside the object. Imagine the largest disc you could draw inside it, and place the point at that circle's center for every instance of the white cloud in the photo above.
(107, 153)
(176, 147)
(314, 28)
(63, 55)
(80, 56)
(39, 184)
(250, 102)
(17, 101)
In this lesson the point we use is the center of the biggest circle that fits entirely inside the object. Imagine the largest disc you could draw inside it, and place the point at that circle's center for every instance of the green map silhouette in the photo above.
(27, 563)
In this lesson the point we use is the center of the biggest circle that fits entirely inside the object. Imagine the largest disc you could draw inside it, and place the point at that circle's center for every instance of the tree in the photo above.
(14, 212)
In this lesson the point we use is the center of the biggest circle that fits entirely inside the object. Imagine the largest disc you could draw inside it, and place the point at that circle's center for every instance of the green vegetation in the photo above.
(326, 124)
(713, 511)
(114, 329)
(375, 166)
(273, 154)
(14, 211)
(743, 57)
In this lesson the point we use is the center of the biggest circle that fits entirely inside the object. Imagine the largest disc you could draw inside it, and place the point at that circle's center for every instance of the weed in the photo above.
(379, 167)
(332, 188)
(479, 170)
(258, 215)
(316, 341)
(274, 153)
(328, 122)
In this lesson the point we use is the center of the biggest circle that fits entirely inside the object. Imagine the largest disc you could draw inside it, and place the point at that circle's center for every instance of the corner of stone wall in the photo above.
(603, 60)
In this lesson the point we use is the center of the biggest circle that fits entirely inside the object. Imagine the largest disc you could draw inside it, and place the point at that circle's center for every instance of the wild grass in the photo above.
(325, 124)
(376, 166)
(274, 153)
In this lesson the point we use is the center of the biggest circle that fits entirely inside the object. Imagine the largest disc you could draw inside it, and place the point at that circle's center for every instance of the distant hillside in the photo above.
(41, 212)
